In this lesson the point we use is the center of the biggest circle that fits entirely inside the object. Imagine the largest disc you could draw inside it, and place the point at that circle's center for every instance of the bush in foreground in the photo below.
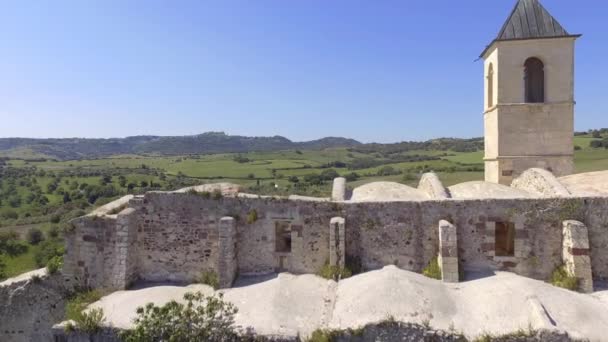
(201, 318)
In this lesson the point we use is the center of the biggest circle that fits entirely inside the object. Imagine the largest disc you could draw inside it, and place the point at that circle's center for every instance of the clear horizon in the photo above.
(384, 72)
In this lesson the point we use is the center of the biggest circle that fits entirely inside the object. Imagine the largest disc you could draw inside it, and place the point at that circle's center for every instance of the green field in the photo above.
(44, 194)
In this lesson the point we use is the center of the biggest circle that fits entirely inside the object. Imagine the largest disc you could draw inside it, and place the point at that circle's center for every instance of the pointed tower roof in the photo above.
(530, 20)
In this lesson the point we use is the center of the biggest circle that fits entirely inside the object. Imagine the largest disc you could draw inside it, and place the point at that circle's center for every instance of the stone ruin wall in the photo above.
(30, 306)
(175, 236)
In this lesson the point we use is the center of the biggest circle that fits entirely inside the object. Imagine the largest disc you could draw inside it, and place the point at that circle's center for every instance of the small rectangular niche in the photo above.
(282, 237)
(504, 239)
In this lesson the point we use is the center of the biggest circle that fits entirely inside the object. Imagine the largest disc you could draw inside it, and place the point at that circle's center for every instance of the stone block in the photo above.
(576, 254)
(448, 252)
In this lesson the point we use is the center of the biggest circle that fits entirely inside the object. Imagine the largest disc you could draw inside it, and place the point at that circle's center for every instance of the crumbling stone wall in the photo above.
(30, 306)
(177, 236)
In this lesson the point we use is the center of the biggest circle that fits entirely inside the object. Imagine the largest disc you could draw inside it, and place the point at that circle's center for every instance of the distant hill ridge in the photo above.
(210, 142)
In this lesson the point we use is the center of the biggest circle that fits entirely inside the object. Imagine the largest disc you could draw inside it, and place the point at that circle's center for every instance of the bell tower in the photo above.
(529, 95)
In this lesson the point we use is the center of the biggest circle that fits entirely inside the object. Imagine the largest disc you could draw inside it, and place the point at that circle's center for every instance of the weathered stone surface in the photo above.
(448, 252)
(30, 305)
(540, 182)
(432, 186)
(576, 254)
(338, 192)
(337, 244)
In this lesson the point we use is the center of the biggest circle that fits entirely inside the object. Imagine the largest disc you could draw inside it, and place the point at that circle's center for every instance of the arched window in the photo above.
(491, 86)
(534, 80)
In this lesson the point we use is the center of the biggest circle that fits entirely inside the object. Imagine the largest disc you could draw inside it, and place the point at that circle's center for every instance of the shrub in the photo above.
(2, 270)
(432, 270)
(201, 318)
(322, 335)
(53, 232)
(34, 236)
(210, 278)
(78, 302)
(334, 272)
(48, 250)
(9, 214)
(561, 278)
(89, 321)
(55, 218)
(54, 264)
(596, 144)
(11, 245)
(252, 216)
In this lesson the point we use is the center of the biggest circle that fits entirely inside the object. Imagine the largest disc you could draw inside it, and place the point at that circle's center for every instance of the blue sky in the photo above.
(372, 70)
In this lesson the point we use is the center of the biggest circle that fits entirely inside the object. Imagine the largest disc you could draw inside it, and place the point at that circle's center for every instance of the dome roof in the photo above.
(482, 190)
(587, 184)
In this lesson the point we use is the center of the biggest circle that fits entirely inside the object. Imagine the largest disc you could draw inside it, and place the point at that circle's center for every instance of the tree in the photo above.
(596, 134)
(293, 179)
(596, 144)
(34, 236)
(251, 176)
(351, 177)
(11, 245)
(201, 318)
(329, 175)
(387, 171)
(122, 181)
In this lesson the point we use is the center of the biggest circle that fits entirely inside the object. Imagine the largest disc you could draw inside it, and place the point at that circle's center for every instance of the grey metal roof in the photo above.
(530, 20)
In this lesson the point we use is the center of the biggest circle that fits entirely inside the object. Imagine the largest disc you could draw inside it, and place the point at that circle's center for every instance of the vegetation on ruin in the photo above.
(200, 318)
(210, 278)
(89, 322)
(334, 272)
(252, 216)
(44, 192)
(78, 303)
(432, 270)
(54, 264)
(561, 278)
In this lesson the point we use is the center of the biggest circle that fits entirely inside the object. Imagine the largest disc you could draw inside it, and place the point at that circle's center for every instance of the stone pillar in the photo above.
(575, 253)
(448, 252)
(337, 245)
(124, 270)
(227, 262)
(338, 192)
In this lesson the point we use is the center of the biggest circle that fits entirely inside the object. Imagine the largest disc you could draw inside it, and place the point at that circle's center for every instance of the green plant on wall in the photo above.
(334, 272)
(210, 278)
(432, 270)
(561, 278)
(252, 216)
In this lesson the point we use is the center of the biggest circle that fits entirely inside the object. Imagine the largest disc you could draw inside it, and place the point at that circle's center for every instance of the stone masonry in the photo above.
(576, 254)
(337, 245)
(448, 252)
